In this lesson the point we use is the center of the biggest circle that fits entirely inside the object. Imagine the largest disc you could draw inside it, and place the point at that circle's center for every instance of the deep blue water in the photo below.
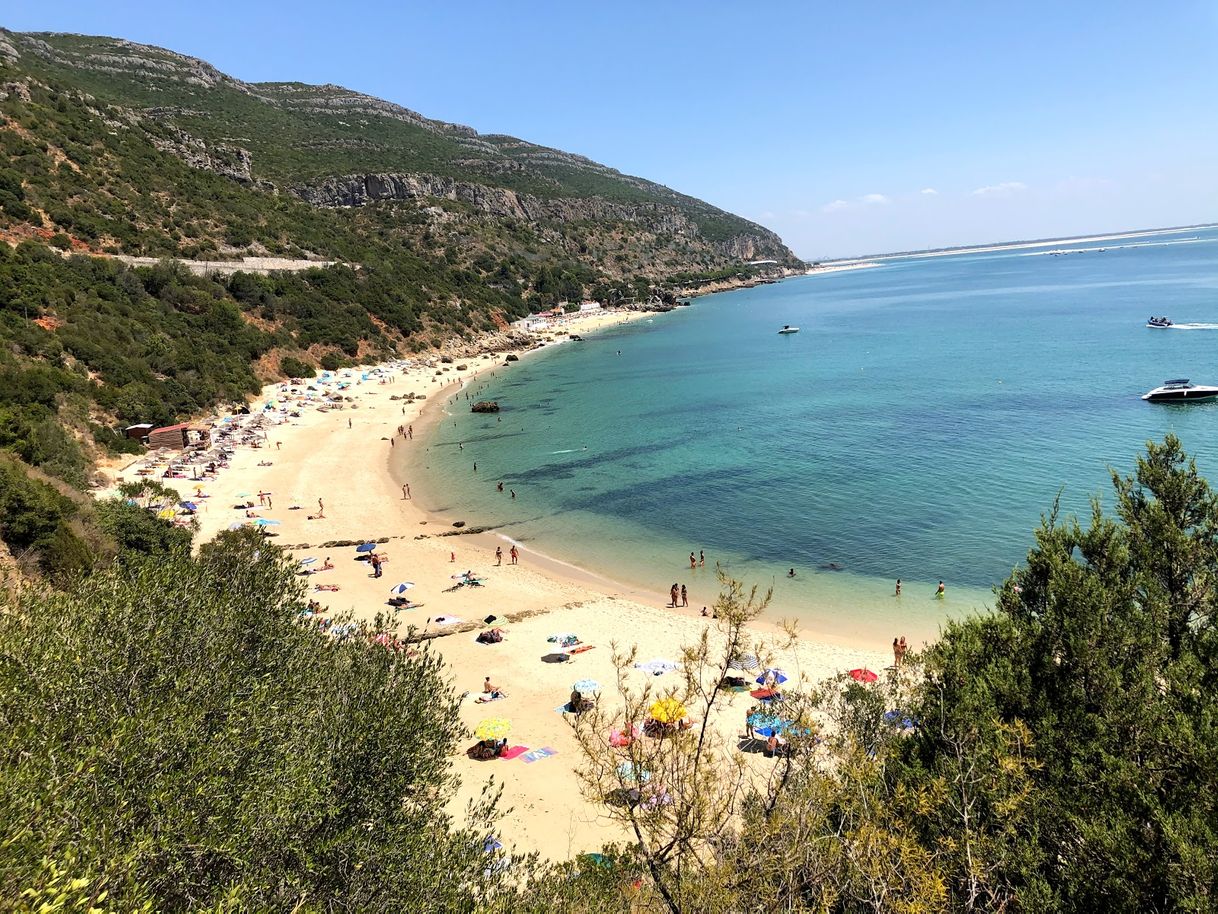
(919, 424)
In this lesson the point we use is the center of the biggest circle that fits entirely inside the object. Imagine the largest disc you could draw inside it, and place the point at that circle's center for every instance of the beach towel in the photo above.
(445, 620)
(537, 755)
(581, 648)
(513, 752)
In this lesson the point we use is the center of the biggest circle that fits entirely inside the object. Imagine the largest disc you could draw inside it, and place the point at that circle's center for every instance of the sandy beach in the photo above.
(342, 459)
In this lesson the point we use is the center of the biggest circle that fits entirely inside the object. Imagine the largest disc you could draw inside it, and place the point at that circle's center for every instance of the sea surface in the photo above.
(919, 424)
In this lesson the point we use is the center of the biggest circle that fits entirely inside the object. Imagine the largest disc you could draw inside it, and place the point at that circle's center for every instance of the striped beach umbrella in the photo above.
(493, 728)
(401, 588)
(746, 662)
(772, 676)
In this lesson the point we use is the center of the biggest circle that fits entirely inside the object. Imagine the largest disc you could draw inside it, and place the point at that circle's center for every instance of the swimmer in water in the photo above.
(941, 591)
(791, 573)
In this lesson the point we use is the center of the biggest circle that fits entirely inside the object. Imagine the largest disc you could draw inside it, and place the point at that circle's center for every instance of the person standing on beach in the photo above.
(896, 652)
(514, 553)
(321, 509)
(348, 423)
(902, 647)
(693, 562)
(405, 490)
(410, 432)
(898, 593)
(498, 556)
(684, 596)
(675, 594)
(375, 561)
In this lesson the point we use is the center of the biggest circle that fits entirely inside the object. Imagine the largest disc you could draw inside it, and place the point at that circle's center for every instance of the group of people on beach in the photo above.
(899, 647)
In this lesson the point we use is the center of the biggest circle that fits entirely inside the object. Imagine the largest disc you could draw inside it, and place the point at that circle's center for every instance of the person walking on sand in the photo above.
(498, 556)
(405, 490)
(321, 509)
(348, 423)
(684, 596)
(514, 553)
(410, 432)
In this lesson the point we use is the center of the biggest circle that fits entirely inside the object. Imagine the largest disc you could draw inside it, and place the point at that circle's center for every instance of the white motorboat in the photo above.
(1180, 390)
(787, 328)
(1158, 323)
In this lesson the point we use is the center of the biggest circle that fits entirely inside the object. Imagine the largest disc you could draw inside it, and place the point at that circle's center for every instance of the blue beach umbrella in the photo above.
(265, 522)
(365, 547)
(188, 505)
(309, 560)
(401, 588)
(759, 719)
(778, 675)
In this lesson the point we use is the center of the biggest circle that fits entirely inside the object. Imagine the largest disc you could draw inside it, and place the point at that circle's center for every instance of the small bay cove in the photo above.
(924, 418)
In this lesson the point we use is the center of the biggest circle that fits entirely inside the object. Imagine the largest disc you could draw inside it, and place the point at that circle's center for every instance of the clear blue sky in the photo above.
(847, 128)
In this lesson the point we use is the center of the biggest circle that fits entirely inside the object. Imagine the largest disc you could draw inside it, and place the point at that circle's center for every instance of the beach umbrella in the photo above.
(632, 773)
(777, 677)
(492, 844)
(656, 666)
(745, 662)
(365, 547)
(309, 560)
(243, 495)
(760, 719)
(166, 514)
(619, 738)
(493, 728)
(863, 675)
(401, 588)
(668, 710)
(586, 685)
(266, 522)
(562, 637)
(188, 505)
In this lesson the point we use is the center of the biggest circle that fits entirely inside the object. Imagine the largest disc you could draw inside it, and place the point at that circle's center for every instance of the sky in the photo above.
(847, 128)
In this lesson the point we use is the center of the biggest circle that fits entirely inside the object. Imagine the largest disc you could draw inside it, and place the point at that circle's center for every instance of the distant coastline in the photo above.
(870, 259)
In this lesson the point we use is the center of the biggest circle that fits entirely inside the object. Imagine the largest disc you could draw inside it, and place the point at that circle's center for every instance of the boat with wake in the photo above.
(787, 328)
(1158, 323)
(1180, 390)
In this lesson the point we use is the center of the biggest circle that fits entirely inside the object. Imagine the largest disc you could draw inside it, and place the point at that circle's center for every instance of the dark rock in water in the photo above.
(833, 566)
(485, 406)
(458, 523)
(512, 357)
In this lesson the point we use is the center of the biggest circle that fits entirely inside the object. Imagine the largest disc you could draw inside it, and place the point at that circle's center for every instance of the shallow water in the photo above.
(924, 417)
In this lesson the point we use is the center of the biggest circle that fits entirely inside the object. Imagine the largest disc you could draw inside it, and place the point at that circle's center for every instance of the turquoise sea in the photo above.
(927, 413)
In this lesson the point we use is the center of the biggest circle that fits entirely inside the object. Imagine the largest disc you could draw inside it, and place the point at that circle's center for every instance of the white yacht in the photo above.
(1180, 390)
(787, 328)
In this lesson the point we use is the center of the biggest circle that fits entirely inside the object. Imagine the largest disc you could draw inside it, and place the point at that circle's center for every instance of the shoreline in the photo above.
(345, 453)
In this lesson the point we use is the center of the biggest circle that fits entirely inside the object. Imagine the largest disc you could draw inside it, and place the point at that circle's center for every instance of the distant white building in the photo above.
(585, 307)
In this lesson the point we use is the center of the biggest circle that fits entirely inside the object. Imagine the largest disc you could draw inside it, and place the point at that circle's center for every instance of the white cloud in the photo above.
(929, 192)
(865, 200)
(1005, 189)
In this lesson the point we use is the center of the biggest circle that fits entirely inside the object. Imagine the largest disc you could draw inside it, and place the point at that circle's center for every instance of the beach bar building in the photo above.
(138, 432)
(176, 436)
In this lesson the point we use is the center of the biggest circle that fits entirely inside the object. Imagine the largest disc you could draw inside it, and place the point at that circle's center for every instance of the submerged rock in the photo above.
(485, 406)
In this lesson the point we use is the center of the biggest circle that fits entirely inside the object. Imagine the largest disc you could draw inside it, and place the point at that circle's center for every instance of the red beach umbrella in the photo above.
(863, 675)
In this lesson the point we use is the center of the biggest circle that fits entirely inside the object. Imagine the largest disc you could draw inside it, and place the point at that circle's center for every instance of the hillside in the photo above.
(332, 147)
(423, 232)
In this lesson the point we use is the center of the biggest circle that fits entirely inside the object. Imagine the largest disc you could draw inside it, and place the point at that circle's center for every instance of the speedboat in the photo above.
(1181, 390)
(1158, 323)
(787, 328)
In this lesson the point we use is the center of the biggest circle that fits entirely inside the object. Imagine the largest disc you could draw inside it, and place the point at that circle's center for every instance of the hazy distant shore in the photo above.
(1012, 246)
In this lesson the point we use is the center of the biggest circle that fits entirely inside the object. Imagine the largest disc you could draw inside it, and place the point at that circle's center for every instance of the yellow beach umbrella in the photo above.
(668, 711)
(493, 728)
(166, 514)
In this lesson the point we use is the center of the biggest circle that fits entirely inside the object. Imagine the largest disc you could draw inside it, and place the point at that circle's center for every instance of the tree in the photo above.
(172, 733)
